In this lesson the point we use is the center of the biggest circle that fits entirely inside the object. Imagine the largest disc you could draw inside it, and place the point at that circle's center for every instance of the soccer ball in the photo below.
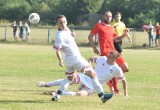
(34, 18)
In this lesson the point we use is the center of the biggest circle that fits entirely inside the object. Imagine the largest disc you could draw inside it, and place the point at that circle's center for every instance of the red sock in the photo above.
(109, 83)
(115, 84)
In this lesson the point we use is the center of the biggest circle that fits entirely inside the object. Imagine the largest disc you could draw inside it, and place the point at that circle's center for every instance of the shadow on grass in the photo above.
(143, 48)
(21, 90)
(23, 101)
(3, 41)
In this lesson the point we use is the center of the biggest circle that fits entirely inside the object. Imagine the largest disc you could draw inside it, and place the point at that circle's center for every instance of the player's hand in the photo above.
(61, 63)
(96, 51)
(73, 34)
(130, 40)
(125, 32)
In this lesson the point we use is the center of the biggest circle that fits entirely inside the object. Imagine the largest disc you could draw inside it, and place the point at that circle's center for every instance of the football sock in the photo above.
(97, 86)
(64, 85)
(55, 83)
(69, 93)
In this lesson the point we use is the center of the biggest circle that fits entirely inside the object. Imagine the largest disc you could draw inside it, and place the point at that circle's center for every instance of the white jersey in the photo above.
(65, 42)
(150, 27)
(27, 28)
(104, 71)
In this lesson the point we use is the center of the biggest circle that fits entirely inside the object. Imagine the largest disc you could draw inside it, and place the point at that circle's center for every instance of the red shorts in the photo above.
(120, 60)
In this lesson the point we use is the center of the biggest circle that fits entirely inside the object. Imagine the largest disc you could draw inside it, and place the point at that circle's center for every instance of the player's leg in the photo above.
(48, 84)
(158, 40)
(15, 35)
(84, 91)
(96, 84)
(113, 84)
(150, 41)
(58, 82)
(122, 63)
(109, 83)
(65, 83)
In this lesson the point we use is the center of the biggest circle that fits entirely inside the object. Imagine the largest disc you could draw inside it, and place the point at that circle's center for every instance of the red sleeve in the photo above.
(94, 29)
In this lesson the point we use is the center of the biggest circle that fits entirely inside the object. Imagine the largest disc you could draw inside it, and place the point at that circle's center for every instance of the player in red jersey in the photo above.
(106, 37)
(157, 39)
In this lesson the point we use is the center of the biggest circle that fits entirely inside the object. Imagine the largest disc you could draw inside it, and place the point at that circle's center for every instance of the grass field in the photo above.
(21, 66)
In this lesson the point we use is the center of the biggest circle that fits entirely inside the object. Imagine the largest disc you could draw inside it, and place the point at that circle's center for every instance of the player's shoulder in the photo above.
(102, 58)
(58, 34)
(113, 23)
(122, 23)
(116, 67)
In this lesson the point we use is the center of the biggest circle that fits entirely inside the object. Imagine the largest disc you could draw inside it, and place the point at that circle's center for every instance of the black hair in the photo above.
(60, 16)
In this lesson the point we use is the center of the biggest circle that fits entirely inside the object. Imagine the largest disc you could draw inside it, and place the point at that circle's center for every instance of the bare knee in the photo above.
(124, 67)
(90, 73)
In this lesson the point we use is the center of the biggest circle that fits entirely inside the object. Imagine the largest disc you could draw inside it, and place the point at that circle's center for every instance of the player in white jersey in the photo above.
(105, 68)
(65, 43)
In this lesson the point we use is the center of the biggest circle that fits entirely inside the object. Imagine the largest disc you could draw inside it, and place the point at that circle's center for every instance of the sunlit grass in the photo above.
(21, 66)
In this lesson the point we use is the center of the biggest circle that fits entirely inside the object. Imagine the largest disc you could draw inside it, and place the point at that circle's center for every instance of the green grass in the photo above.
(21, 66)
(40, 36)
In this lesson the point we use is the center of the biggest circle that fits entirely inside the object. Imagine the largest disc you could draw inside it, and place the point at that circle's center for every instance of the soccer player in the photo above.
(21, 28)
(106, 38)
(27, 31)
(157, 39)
(150, 29)
(64, 42)
(105, 69)
(119, 27)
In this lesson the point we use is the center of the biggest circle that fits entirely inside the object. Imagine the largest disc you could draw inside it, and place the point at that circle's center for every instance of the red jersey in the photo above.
(106, 35)
(157, 30)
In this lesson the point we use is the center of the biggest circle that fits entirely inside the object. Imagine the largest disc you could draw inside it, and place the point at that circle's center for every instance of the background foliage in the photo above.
(135, 12)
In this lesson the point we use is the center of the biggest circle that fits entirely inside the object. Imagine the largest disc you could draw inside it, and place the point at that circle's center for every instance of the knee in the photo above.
(70, 77)
(124, 67)
(90, 73)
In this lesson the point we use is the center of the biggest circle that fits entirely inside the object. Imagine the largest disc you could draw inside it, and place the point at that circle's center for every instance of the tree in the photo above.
(14, 10)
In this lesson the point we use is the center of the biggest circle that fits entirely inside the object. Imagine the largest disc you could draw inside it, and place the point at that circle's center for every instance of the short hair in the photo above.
(115, 53)
(60, 16)
(118, 13)
(107, 11)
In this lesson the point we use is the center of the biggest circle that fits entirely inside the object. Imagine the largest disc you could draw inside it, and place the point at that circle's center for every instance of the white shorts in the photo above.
(79, 65)
(85, 89)
(86, 81)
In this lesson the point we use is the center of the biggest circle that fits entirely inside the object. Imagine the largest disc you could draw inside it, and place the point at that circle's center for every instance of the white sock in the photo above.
(69, 93)
(55, 83)
(64, 85)
(97, 86)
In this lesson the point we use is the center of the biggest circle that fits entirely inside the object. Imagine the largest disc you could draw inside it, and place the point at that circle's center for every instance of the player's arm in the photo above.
(59, 56)
(124, 84)
(92, 59)
(123, 79)
(90, 38)
(129, 38)
(119, 38)
(57, 47)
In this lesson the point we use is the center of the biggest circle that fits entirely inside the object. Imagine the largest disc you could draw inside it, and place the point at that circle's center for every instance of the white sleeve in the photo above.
(58, 43)
(120, 74)
(101, 59)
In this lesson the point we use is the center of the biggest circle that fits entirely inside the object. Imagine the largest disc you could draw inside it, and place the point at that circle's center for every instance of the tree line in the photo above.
(135, 13)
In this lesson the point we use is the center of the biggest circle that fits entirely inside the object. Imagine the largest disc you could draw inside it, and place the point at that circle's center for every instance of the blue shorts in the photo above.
(158, 37)
(151, 37)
